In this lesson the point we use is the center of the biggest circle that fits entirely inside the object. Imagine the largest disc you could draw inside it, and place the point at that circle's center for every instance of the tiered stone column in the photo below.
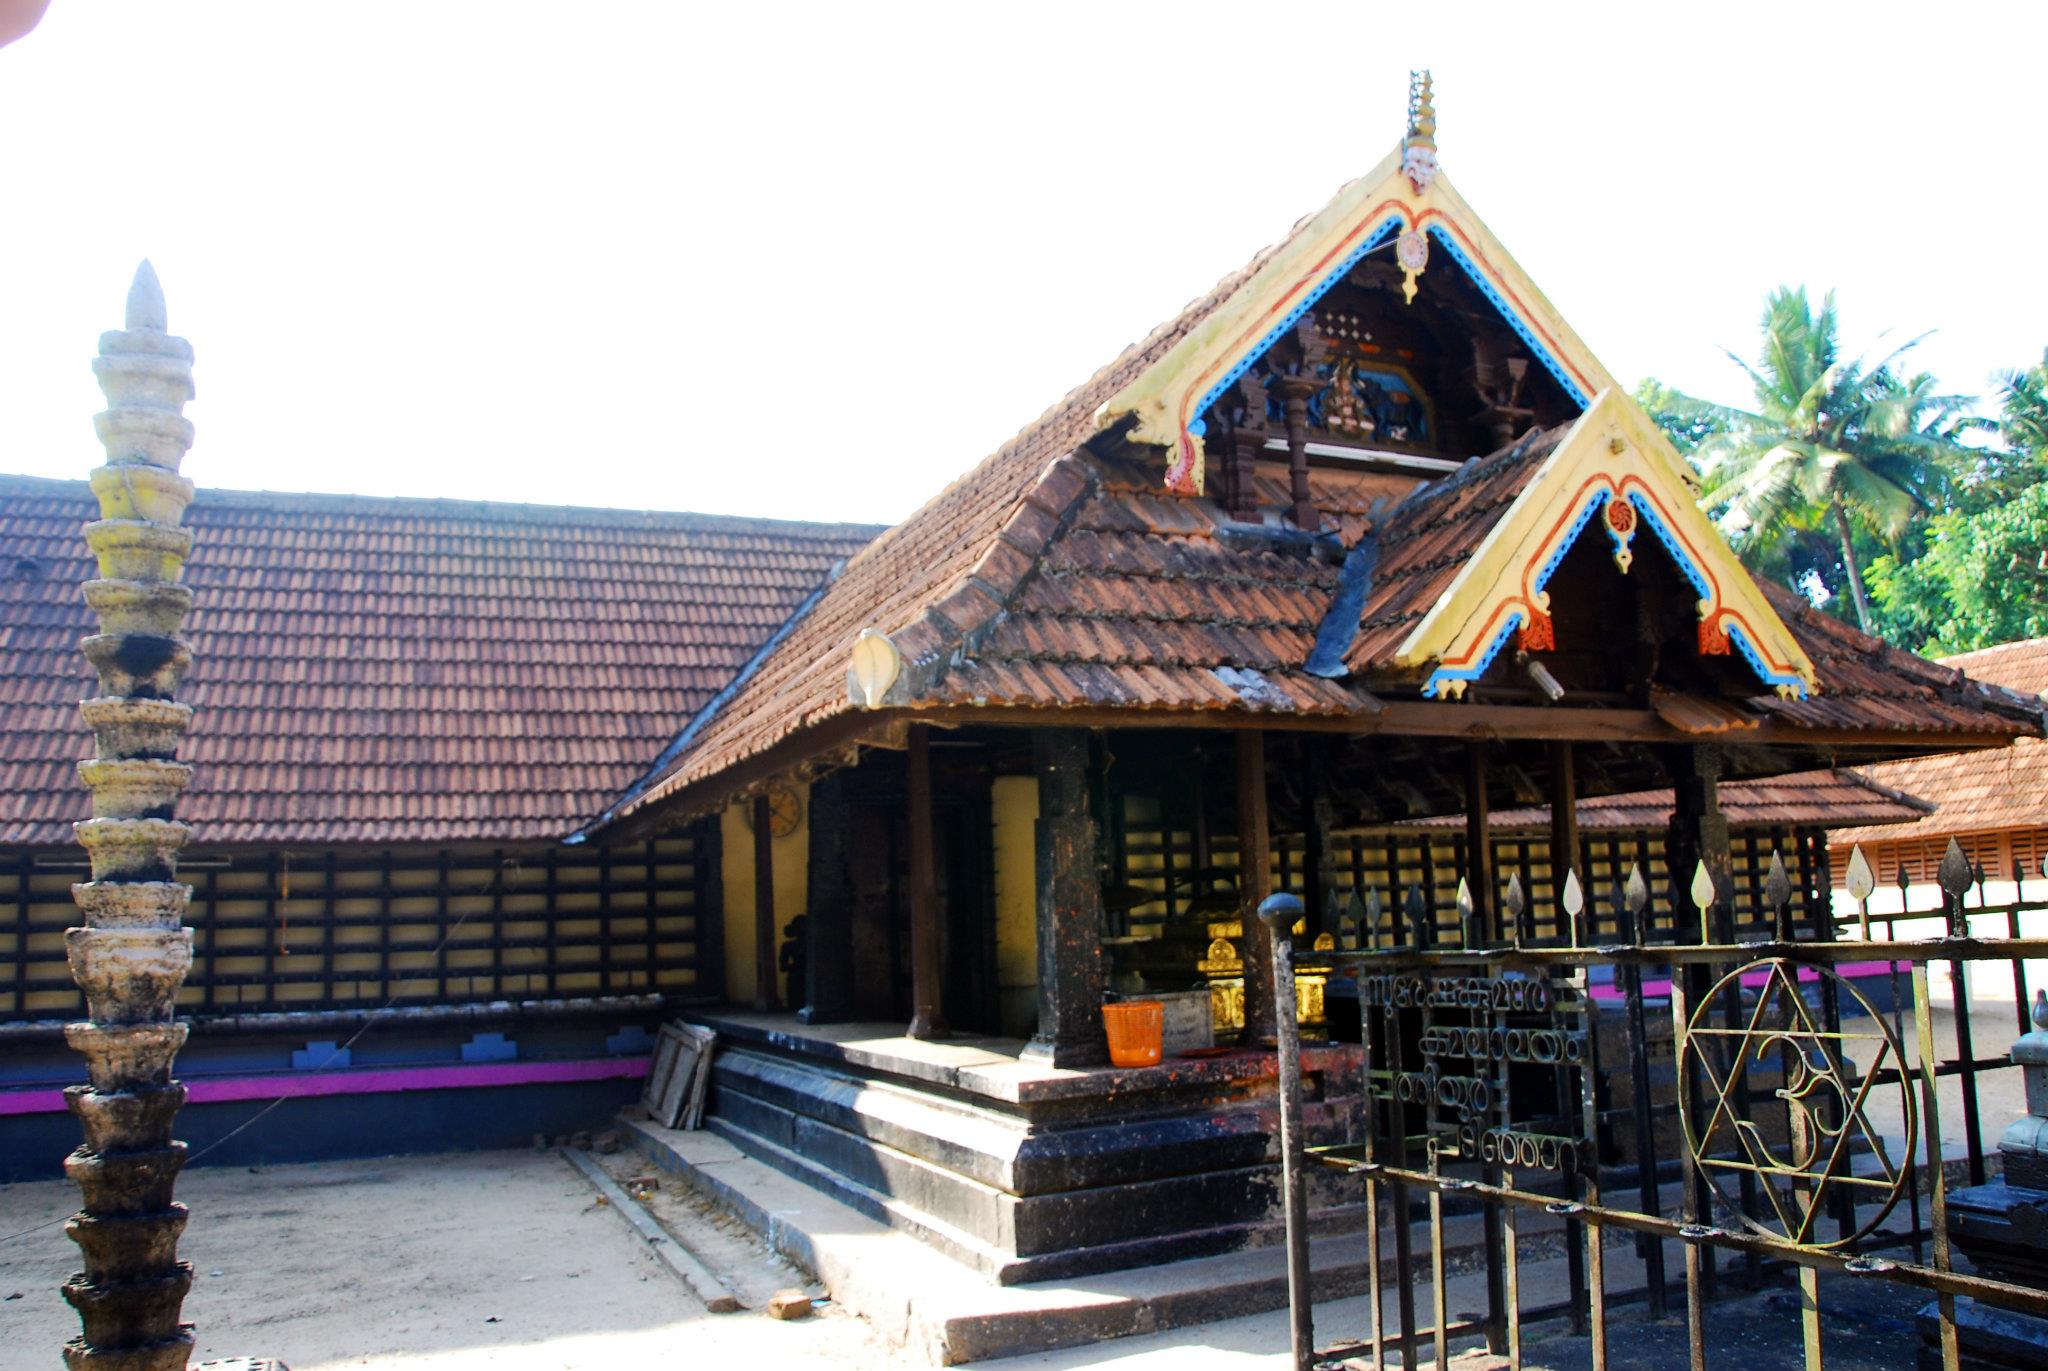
(132, 954)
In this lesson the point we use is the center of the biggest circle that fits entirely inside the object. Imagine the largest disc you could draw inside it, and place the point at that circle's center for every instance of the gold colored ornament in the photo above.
(1411, 250)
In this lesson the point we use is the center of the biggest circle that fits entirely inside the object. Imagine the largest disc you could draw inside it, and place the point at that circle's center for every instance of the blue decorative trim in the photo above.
(1293, 317)
(1669, 539)
(1741, 640)
(1571, 536)
(1340, 622)
(1376, 238)
(1671, 545)
(1473, 672)
(1514, 320)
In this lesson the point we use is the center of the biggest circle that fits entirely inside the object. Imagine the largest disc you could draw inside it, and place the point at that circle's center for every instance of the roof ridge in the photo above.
(318, 501)
(959, 619)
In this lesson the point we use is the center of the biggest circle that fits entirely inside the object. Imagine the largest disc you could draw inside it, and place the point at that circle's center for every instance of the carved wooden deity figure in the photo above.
(132, 953)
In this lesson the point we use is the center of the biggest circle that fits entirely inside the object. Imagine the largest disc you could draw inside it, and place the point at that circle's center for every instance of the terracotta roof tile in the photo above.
(399, 670)
(1976, 791)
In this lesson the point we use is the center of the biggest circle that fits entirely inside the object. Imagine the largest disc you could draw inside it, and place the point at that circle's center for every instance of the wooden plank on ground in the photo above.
(693, 1112)
(701, 1280)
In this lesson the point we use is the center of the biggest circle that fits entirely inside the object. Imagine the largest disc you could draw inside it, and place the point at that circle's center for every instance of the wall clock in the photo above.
(785, 811)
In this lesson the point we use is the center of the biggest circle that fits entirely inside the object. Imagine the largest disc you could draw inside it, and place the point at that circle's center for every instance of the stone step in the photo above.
(948, 1311)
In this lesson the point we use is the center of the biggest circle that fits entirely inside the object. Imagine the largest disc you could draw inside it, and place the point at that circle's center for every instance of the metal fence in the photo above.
(1686, 1109)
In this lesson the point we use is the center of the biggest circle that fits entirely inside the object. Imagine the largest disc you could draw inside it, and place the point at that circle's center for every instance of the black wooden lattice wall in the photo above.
(357, 928)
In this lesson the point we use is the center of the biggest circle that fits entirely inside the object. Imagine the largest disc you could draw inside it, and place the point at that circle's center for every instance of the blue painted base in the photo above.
(332, 1127)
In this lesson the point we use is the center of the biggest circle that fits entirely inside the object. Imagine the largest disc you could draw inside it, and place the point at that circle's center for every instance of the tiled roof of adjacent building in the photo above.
(1975, 792)
(387, 670)
(1801, 800)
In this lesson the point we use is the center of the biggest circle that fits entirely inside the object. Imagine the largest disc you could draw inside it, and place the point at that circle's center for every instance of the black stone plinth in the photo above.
(1989, 1339)
(2003, 1228)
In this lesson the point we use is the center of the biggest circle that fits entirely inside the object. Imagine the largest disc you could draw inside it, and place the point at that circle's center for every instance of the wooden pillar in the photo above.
(1564, 835)
(1254, 883)
(1699, 831)
(1296, 392)
(828, 908)
(1319, 863)
(764, 905)
(1069, 916)
(927, 1020)
(1478, 845)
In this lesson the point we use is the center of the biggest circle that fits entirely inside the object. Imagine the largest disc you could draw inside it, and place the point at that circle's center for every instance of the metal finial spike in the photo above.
(1953, 876)
(2040, 1014)
(1862, 880)
(1573, 898)
(1702, 887)
(1464, 899)
(1637, 892)
(146, 302)
(1516, 900)
(1777, 885)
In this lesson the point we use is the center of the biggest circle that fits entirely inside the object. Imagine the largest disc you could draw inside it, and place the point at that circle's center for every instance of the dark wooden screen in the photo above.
(360, 928)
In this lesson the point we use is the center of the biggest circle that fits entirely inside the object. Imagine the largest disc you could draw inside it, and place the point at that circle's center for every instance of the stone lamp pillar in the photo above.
(132, 953)
(2003, 1226)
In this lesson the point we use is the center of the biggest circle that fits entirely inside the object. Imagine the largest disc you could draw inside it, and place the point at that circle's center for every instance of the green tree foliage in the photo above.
(1835, 462)
(1983, 575)
(1982, 580)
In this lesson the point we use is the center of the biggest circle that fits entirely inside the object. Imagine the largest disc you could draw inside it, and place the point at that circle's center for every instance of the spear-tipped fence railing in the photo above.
(1748, 1098)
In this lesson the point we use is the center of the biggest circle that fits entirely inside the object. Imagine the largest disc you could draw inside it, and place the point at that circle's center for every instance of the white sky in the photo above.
(776, 259)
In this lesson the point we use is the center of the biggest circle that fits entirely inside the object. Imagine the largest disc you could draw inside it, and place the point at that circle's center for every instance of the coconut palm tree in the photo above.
(2023, 404)
(1833, 445)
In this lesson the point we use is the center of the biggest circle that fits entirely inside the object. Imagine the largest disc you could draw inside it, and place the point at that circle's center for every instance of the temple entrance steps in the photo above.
(1018, 1171)
(946, 1312)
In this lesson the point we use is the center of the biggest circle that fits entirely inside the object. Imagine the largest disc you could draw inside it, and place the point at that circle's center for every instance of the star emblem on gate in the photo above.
(1817, 1087)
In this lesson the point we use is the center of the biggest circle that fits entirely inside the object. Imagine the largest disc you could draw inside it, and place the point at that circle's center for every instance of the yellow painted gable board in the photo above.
(1613, 452)
(1163, 398)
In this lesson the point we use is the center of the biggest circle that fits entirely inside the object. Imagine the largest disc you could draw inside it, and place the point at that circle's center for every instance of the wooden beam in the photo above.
(764, 905)
(1069, 914)
(927, 1020)
(1564, 836)
(801, 751)
(1254, 883)
(1435, 719)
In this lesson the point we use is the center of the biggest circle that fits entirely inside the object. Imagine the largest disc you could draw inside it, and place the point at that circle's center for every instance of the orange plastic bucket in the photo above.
(1135, 1028)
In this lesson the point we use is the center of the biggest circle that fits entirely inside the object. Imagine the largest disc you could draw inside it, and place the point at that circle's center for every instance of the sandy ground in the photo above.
(500, 1260)
(505, 1260)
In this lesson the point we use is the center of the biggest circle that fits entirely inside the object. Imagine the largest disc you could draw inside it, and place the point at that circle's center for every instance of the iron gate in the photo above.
(1716, 1094)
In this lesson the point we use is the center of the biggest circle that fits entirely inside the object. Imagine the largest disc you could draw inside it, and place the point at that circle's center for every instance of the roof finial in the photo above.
(1421, 112)
(146, 302)
(1418, 159)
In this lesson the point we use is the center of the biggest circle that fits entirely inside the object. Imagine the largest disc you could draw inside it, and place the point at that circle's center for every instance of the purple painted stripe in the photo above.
(1751, 980)
(368, 1082)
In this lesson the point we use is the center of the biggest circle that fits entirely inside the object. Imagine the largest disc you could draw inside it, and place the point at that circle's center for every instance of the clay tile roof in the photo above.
(1976, 791)
(1428, 538)
(1051, 575)
(1863, 682)
(936, 578)
(1801, 800)
(376, 670)
(1152, 601)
